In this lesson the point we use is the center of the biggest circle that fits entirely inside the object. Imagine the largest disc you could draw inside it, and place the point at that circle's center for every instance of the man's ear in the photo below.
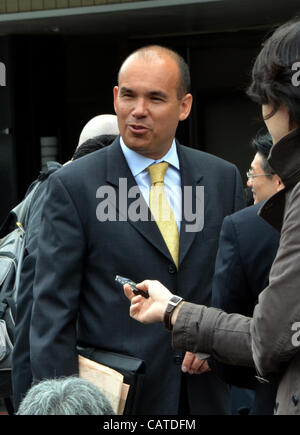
(115, 93)
(186, 105)
(280, 184)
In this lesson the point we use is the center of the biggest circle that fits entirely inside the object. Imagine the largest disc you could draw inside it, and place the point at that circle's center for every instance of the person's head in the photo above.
(97, 126)
(152, 96)
(261, 178)
(65, 396)
(93, 144)
(272, 80)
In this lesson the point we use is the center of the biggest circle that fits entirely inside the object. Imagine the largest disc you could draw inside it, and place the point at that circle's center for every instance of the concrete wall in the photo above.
(10, 6)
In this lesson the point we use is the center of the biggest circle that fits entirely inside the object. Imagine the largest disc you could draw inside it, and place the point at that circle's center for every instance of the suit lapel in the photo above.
(190, 176)
(118, 169)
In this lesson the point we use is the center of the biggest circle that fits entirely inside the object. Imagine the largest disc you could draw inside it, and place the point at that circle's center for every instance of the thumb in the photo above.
(128, 291)
(144, 285)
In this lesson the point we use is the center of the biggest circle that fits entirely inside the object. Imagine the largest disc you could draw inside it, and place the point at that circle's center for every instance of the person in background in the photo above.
(65, 396)
(100, 125)
(270, 339)
(21, 368)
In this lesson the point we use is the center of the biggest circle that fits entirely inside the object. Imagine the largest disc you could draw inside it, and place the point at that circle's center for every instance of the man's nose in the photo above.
(140, 108)
(249, 182)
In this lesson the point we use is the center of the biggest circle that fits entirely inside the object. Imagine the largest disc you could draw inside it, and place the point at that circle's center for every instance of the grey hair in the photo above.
(65, 396)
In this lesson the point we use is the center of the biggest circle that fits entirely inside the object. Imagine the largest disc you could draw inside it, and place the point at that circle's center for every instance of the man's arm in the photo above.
(57, 286)
(21, 374)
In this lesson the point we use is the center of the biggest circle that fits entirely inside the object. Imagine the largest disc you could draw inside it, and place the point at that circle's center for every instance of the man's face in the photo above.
(147, 104)
(262, 187)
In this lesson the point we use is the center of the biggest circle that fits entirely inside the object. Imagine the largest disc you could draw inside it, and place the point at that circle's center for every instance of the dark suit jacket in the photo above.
(21, 370)
(247, 249)
(76, 297)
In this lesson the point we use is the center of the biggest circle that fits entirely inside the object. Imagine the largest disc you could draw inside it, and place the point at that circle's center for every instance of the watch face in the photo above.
(175, 299)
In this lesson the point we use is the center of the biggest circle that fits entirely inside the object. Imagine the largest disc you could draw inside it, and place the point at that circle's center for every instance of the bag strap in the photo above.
(21, 210)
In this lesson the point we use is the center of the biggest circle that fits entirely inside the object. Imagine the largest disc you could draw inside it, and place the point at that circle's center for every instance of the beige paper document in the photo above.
(109, 381)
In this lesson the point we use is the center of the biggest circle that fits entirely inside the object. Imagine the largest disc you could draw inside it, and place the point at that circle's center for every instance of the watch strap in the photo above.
(172, 304)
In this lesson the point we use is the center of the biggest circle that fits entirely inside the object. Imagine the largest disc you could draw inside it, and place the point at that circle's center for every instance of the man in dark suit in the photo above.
(96, 223)
(247, 248)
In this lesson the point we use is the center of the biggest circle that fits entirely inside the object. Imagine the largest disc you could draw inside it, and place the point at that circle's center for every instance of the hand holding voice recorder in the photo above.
(122, 280)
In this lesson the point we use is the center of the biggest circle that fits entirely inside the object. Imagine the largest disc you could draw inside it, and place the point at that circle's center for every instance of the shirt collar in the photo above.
(138, 163)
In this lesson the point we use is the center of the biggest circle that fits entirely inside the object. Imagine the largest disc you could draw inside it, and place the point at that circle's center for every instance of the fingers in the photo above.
(193, 365)
(157, 291)
(205, 367)
(152, 309)
(134, 309)
(187, 362)
(128, 292)
(130, 295)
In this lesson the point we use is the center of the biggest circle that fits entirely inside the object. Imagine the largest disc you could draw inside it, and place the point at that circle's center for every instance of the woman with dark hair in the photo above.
(270, 340)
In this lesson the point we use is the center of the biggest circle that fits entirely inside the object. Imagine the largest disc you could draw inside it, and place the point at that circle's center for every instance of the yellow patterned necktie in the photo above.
(161, 209)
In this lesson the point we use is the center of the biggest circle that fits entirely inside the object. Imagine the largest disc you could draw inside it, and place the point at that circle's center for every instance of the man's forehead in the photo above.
(257, 161)
(150, 75)
(150, 84)
(163, 61)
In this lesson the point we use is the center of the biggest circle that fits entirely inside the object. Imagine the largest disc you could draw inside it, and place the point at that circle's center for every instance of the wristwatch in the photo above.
(172, 304)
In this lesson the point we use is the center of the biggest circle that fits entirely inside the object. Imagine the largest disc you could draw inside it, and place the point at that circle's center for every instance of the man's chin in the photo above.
(137, 144)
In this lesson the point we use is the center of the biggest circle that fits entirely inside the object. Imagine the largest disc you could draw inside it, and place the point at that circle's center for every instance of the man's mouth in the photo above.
(138, 129)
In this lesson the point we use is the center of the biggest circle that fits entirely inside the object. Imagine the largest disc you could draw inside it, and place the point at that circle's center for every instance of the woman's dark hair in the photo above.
(272, 73)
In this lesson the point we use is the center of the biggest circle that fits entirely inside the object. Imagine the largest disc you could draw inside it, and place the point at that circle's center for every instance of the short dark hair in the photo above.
(272, 71)
(262, 144)
(184, 86)
(65, 396)
(93, 144)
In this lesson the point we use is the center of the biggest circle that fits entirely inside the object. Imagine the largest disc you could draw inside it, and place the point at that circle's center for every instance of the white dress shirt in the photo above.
(138, 165)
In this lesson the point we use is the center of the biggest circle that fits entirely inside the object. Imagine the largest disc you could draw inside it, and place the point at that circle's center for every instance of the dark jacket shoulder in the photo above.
(195, 154)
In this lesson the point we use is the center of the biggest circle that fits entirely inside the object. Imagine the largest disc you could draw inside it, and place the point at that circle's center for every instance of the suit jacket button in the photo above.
(172, 269)
(295, 400)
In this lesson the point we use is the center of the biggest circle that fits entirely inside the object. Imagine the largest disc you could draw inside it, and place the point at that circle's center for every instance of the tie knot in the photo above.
(157, 172)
